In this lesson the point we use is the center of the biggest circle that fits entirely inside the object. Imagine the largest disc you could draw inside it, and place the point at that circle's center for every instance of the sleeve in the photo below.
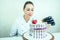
(22, 30)
(14, 29)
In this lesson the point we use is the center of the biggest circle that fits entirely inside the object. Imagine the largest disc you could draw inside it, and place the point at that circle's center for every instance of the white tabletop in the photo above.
(56, 35)
(11, 38)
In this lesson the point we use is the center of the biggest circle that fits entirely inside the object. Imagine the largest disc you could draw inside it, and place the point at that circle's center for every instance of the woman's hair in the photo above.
(28, 2)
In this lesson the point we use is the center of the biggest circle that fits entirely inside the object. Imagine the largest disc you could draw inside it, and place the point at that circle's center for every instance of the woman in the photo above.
(20, 26)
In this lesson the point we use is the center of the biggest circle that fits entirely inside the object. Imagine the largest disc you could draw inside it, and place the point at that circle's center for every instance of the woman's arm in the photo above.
(49, 21)
(14, 29)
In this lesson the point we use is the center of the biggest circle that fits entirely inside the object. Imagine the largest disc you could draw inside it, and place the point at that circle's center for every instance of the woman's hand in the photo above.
(24, 37)
(48, 26)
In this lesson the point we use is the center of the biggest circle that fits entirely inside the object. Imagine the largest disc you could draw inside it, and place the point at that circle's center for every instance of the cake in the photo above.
(38, 31)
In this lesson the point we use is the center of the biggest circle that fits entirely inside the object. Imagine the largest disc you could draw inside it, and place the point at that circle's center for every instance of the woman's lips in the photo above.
(30, 14)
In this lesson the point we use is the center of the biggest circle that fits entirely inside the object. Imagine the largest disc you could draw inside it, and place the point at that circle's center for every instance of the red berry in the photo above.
(34, 21)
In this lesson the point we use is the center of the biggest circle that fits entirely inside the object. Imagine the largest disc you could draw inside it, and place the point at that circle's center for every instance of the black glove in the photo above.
(49, 20)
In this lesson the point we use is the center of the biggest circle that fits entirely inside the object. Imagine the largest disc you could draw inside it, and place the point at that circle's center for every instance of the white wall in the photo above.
(11, 9)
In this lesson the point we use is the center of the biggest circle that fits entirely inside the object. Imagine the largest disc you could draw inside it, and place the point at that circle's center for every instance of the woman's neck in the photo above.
(26, 17)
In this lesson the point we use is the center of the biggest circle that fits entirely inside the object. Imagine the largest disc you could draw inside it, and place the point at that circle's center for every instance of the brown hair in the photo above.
(28, 2)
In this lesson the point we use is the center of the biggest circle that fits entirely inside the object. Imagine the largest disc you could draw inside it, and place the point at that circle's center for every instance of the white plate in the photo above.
(26, 35)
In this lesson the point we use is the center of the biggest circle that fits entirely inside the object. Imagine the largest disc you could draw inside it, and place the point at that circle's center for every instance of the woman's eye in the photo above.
(32, 10)
(28, 9)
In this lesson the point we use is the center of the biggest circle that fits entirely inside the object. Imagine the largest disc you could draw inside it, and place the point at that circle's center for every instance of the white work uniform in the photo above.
(20, 26)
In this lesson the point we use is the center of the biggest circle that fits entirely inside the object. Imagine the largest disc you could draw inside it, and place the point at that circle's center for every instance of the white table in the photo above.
(11, 38)
(56, 35)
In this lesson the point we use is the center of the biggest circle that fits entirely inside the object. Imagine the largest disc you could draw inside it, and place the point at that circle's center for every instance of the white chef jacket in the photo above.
(20, 26)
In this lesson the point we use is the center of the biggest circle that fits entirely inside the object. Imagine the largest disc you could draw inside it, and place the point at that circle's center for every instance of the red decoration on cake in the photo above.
(34, 21)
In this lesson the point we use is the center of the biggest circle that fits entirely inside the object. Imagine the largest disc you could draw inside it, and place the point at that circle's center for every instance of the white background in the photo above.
(11, 9)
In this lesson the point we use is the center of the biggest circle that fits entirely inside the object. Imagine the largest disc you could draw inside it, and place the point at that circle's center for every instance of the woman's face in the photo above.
(29, 10)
